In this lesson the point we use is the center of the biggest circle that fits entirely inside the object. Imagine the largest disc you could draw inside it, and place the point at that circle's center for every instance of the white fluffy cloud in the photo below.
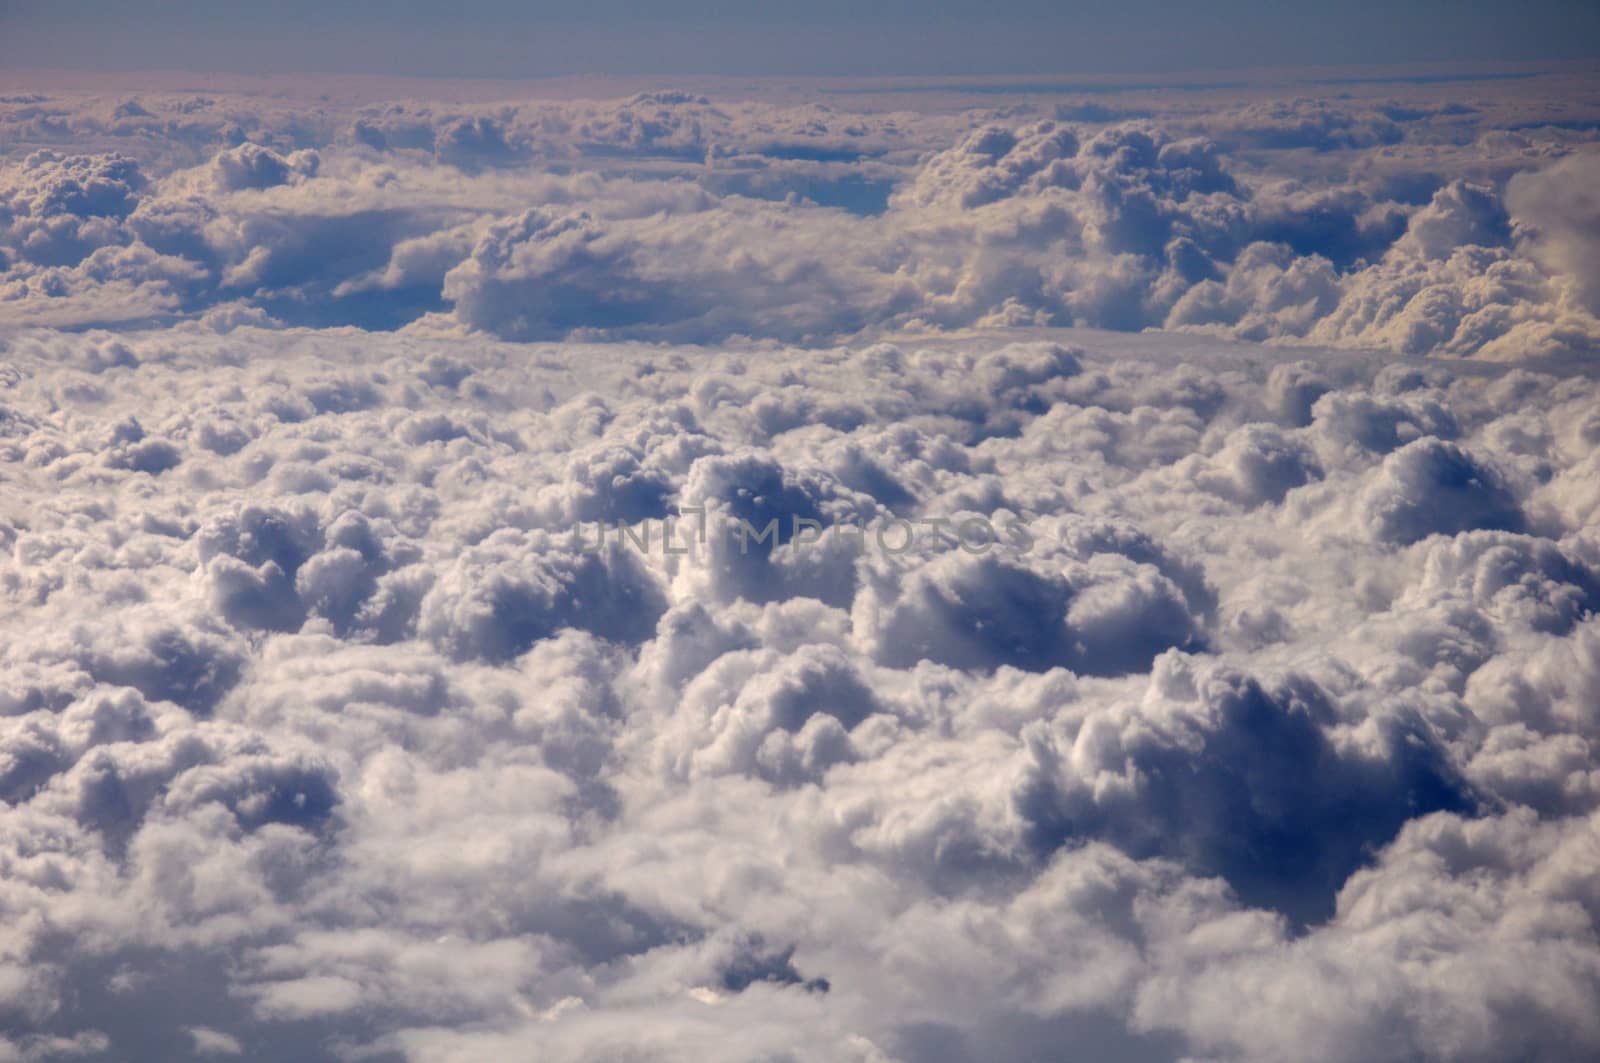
(653, 578)
(1215, 705)
(673, 216)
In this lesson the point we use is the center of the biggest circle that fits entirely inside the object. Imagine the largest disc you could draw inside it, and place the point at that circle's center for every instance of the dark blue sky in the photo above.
(501, 38)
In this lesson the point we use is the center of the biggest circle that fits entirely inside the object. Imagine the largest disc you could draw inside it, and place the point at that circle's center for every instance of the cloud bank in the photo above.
(1401, 218)
(939, 577)
(342, 721)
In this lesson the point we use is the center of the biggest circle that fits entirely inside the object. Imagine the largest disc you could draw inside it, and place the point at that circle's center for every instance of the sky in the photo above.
(507, 39)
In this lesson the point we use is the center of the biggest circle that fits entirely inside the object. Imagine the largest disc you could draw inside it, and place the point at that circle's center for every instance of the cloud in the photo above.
(252, 166)
(1557, 205)
(670, 216)
(1431, 487)
(339, 702)
(514, 580)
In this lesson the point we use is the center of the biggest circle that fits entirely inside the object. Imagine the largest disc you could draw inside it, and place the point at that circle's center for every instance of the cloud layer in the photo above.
(1218, 706)
(944, 574)
(1409, 218)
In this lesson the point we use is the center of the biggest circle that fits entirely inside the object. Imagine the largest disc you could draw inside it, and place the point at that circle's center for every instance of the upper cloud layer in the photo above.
(1442, 228)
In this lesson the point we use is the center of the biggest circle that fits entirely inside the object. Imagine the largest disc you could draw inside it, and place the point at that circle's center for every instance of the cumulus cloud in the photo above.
(1558, 207)
(584, 580)
(674, 216)
(357, 692)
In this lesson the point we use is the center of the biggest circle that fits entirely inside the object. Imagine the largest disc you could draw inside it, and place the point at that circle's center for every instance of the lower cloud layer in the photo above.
(328, 732)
